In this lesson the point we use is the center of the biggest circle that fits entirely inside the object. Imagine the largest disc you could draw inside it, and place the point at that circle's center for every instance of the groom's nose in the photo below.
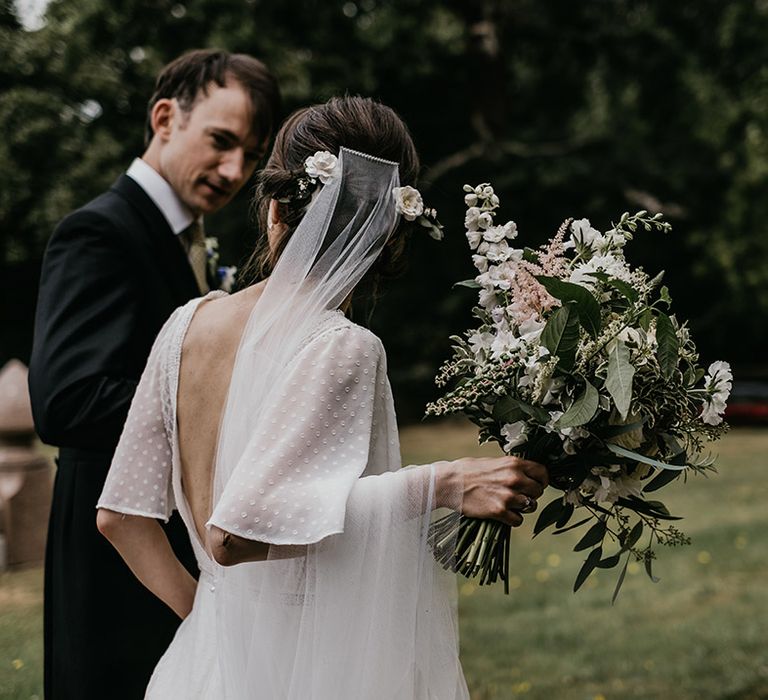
(231, 165)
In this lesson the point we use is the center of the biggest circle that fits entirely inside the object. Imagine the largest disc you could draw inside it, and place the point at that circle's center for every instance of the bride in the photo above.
(267, 420)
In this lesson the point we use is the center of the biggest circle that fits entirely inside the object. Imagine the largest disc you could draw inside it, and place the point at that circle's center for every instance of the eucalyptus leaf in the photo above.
(470, 284)
(587, 567)
(629, 454)
(592, 536)
(649, 569)
(572, 527)
(565, 516)
(549, 515)
(634, 535)
(582, 409)
(618, 380)
(668, 345)
(609, 562)
(620, 581)
(664, 477)
(587, 306)
(561, 335)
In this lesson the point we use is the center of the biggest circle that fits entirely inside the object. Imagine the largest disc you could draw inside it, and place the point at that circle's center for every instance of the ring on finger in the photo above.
(530, 505)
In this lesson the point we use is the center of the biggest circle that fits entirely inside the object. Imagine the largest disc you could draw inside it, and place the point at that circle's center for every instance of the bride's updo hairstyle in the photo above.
(356, 123)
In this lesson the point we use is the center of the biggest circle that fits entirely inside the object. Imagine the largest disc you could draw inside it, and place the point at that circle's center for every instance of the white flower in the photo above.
(504, 342)
(498, 252)
(717, 385)
(408, 202)
(480, 343)
(530, 329)
(494, 234)
(487, 297)
(322, 166)
(227, 278)
(515, 434)
(583, 234)
(480, 262)
(476, 218)
(474, 238)
(510, 230)
(610, 264)
(470, 199)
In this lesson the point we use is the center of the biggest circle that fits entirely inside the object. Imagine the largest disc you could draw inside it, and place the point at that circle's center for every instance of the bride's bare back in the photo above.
(207, 359)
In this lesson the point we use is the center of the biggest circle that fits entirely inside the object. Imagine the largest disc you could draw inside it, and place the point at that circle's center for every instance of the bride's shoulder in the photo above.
(339, 335)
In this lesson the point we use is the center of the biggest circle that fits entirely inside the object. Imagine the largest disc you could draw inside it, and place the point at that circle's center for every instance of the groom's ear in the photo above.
(161, 118)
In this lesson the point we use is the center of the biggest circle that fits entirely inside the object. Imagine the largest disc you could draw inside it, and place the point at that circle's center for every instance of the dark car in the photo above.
(748, 404)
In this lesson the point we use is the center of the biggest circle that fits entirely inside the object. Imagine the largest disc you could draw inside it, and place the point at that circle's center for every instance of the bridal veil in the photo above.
(350, 603)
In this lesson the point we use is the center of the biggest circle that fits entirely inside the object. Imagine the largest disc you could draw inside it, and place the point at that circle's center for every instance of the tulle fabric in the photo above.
(350, 603)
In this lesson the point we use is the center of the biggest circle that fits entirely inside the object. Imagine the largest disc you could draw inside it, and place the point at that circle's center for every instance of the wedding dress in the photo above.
(352, 605)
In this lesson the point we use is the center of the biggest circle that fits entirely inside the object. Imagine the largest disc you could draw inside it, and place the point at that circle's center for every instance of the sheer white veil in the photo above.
(359, 610)
(334, 245)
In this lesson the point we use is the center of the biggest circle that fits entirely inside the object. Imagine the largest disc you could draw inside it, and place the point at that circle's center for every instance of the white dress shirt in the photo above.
(176, 213)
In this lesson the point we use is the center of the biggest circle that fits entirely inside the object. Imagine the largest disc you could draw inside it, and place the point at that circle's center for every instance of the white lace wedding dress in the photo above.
(360, 611)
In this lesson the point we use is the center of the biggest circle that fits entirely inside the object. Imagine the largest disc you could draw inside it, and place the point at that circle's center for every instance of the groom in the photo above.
(113, 272)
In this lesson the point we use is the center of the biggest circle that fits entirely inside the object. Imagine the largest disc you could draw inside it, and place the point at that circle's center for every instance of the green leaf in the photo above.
(620, 581)
(582, 409)
(565, 516)
(649, 569)
(586, 305)
(634, 535)
(549, 516)
(645, 319)
(625, 288)
(669, 345)
(661, 479)
(587, 567)
(572, 527)
(592, 536)
(618, 380)
(609, 562)
(616, 430)
(470, 284)
(508, 409)
(561, 335)
(629, 454)
(664, 295)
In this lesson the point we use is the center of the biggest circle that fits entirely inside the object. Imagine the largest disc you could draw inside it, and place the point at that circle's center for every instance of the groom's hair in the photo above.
(188, 77)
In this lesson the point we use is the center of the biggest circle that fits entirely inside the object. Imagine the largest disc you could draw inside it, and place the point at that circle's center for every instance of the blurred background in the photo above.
(582, 109)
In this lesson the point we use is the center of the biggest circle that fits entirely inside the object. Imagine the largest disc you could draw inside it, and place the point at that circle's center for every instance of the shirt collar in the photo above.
(176, 213)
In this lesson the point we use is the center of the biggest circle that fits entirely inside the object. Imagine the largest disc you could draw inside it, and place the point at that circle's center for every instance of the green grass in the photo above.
(701, 633)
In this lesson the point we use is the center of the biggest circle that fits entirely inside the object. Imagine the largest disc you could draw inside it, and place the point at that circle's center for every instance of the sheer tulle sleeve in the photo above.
(310, 445)
(139, 478)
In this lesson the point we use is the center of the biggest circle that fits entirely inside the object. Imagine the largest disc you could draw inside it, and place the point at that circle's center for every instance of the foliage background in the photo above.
(570, 109)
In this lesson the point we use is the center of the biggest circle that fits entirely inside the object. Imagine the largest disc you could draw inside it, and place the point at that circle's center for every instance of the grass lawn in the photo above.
(702, 632)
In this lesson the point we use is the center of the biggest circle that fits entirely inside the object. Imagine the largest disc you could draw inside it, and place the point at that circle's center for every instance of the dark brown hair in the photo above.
(357, 123)
(190, 75)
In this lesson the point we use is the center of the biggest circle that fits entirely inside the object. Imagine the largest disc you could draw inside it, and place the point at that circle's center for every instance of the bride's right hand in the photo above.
(501, 488)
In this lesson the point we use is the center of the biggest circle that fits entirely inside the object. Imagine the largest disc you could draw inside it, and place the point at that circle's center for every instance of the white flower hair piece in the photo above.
(410, 205)
(323, 166)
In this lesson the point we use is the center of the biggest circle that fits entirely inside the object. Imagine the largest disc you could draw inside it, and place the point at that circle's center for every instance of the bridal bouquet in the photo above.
(578, 362)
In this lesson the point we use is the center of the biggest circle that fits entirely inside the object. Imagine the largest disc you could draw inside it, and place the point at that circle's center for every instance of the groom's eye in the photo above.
(221, 142)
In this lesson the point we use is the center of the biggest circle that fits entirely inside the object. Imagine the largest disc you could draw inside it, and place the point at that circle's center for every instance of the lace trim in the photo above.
(369, 157)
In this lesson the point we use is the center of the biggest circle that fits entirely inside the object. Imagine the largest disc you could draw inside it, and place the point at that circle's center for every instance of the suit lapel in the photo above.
(171, 255)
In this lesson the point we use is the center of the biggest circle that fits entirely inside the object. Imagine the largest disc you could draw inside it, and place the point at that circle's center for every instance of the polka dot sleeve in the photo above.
(139, 478)
(293, 480)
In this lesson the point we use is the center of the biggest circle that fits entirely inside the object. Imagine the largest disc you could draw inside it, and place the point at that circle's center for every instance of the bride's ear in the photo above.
(273, 214)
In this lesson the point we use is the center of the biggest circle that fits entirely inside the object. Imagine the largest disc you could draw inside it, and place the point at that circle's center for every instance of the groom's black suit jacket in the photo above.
(112, 274)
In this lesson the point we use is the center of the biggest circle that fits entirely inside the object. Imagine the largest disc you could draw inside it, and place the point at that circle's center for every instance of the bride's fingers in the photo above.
(522, 503)
(537, 472)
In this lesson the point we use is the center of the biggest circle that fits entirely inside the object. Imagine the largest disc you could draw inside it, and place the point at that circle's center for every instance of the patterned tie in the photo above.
(194, 240)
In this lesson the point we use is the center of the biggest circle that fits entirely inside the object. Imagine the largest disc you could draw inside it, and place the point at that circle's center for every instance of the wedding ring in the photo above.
(530, 505)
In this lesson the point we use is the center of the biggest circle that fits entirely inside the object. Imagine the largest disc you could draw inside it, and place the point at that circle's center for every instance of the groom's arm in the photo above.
(80, 379)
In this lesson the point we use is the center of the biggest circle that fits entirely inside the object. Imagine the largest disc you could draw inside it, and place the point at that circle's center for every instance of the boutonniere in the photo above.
(219, 276)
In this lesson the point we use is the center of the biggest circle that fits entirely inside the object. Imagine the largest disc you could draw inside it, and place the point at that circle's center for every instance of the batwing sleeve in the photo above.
(311, 445)
(139, 479)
